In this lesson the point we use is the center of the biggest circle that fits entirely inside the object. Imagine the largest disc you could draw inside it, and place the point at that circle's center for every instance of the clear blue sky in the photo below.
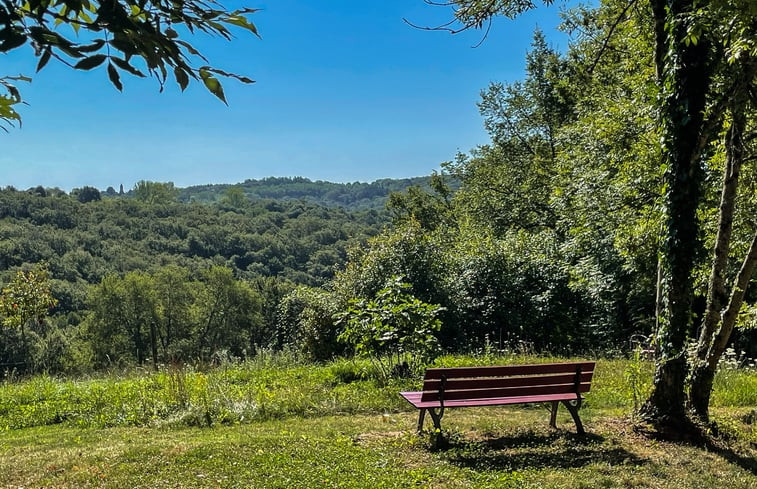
(345, 91)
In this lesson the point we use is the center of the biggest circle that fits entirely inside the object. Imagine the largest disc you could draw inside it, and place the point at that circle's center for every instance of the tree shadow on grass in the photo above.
(746, 462)
(707, 437)
(557, 450)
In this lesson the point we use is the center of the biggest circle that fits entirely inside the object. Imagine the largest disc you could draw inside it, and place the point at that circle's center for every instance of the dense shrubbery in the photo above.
(396, 330)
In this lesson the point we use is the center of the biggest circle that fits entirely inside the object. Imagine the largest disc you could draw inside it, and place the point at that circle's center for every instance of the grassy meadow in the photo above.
(281, 422)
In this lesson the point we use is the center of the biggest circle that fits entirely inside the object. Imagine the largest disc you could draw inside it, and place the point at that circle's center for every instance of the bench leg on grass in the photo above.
(572, 407)
(421, 417)
(436, 417)
(553, 416)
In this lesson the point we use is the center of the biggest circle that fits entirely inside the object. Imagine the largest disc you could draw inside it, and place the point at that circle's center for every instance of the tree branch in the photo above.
(607, 38)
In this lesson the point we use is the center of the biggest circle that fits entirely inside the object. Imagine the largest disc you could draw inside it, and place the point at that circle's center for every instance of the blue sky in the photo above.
(345, 91)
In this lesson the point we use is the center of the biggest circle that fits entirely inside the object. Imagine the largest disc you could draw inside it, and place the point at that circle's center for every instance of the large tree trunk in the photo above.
(703, 373)
(684, 82)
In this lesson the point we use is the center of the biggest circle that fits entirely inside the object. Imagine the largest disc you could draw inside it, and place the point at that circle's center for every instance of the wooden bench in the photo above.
(553, 383)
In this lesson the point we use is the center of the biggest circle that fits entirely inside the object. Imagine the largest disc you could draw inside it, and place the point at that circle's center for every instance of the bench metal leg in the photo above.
(553, 417)
(421, 418)
(573, 409)
(436, 417)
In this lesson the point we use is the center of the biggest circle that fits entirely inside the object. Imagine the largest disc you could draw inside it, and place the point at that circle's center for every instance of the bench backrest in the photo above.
(507, 381)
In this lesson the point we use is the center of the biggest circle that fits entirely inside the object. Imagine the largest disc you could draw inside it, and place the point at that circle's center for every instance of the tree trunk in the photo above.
(139, 347)
(154, 344)
(684, 82)
(720, 320)
(700, 385)
(716, 293)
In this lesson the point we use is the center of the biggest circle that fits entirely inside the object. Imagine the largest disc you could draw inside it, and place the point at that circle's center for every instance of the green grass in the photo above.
(278, 388)
(232, 394)
(280, 423)
(498, 447)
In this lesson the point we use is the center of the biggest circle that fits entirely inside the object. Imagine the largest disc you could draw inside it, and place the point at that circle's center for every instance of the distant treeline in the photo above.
(351, 196)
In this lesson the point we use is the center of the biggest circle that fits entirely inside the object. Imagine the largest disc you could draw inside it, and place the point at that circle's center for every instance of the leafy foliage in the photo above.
(126, 36)
(142, 277)
(392, 328)
(353, 196)
(8, 98)
(83, 242)
(155, 192)
(166, 317)
(306, 321)
(24, 304)
(26, 298)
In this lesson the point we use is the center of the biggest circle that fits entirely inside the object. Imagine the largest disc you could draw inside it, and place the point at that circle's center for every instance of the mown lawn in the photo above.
(307, 427)
(495, 447)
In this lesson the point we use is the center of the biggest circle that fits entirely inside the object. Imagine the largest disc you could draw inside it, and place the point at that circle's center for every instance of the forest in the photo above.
(89, 239)
(550, 238)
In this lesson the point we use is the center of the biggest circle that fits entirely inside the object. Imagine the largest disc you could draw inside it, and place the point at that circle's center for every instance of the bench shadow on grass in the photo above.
(558, 450)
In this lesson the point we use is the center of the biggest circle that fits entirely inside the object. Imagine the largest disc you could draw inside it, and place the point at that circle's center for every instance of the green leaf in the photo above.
(115, 79)
(213, 85)
(90, 62)
(91, 48)
(191, 49)
(181, 77)
(242, 79)
(12, 40)
(241, 21)
(124, 65)
(44, 59)
(125, 46)
(17, 78)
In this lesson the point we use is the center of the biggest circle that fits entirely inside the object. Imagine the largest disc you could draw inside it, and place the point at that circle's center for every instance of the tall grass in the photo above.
(274, 386)
(231, 393)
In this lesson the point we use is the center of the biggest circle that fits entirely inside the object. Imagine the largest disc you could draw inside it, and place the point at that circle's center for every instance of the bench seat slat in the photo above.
(508, 370)
(414, 398)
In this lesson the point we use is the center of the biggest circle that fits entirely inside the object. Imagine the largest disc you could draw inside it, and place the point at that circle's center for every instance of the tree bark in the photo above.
(685, 80)
(154, 344)
(720, 319)
(700, 385)
(716, 293)
(703, 375)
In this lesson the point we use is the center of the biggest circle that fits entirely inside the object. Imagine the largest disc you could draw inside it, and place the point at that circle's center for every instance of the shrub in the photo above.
(396, 330)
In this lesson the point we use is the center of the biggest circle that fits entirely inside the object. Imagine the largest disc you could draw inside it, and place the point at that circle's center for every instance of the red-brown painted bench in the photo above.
(553, 383)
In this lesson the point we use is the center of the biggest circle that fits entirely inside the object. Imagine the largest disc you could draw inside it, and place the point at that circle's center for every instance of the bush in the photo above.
(306, 320)
(396, 330)
(515, 289)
